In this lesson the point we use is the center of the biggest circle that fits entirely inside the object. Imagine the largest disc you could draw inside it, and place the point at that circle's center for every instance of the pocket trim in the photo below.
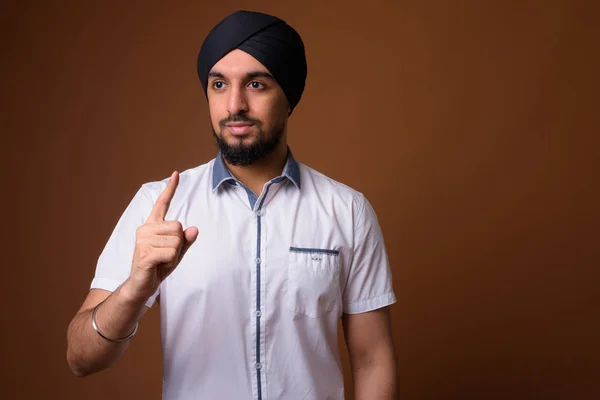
(312, 250)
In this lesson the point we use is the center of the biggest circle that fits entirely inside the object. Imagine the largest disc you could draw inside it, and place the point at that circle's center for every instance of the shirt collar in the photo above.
(221, 174)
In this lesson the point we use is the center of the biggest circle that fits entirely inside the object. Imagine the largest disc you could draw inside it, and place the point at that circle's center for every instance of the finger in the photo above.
(160, 228)
(168, 241)
(164, 255)
(159, 211)
(190, 235)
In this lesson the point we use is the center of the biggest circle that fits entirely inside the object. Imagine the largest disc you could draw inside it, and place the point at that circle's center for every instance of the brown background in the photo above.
(472, 126)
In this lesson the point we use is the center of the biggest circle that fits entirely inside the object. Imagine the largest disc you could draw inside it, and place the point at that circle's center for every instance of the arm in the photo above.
(159, 247)
(370, 346)
(87, 351)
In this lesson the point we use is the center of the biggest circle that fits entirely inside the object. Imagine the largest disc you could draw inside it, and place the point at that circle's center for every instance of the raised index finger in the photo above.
(159, 211)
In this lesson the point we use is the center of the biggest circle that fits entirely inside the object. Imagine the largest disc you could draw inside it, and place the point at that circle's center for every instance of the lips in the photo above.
(239, 128)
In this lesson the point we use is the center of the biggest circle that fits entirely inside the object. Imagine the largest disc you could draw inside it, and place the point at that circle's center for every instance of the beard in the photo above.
(241, 154)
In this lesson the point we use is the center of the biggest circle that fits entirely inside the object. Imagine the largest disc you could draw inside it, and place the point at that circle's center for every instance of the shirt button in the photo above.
(258, 366)
(258, 260)
(258, 313)
(259, 212)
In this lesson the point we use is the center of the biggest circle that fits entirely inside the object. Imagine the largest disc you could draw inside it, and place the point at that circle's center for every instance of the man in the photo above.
(253, 256)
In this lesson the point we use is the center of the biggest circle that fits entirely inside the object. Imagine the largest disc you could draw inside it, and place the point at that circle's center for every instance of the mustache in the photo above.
(240, 118)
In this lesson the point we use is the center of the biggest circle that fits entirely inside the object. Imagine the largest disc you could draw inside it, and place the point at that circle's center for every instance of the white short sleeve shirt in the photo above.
(252, 310)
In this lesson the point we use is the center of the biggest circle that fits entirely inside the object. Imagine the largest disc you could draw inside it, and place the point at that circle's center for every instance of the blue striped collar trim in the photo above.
(221, 174)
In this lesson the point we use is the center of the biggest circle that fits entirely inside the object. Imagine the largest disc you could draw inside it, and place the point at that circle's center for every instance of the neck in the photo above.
(256, 175)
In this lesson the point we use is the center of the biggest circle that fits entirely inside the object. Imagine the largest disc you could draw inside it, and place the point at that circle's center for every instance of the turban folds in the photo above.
(268, 39)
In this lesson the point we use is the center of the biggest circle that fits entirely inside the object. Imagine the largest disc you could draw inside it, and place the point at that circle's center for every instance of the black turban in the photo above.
(268, 39)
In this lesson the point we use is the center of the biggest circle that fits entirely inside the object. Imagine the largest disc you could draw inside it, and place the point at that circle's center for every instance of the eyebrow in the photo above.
(215, 75)
(249, 75)
(259, 74)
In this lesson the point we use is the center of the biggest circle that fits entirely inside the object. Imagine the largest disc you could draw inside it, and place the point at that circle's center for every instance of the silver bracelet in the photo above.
(104, 336)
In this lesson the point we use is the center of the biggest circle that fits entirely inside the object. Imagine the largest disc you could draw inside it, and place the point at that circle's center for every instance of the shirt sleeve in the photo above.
(369, 284)
(114, 263)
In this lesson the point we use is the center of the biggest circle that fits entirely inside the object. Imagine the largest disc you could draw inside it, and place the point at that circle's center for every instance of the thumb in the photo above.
(190, 235)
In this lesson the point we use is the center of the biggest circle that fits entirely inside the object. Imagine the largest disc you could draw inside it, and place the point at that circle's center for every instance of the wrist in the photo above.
(109, 338)
(130, 296)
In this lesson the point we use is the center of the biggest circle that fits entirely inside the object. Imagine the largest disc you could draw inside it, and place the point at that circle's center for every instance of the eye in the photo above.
(218, 84)
(256, 85)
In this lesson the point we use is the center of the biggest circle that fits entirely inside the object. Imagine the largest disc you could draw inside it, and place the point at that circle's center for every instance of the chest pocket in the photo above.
(313, 281)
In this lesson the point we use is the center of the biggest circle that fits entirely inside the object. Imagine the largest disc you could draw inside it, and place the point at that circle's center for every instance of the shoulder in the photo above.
(315, 183)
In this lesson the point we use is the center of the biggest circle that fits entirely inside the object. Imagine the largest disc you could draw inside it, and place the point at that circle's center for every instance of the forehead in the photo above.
(238, 62)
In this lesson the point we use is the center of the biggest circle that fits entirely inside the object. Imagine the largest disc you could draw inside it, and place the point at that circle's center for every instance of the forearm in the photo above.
(375, 380)
(87, 351)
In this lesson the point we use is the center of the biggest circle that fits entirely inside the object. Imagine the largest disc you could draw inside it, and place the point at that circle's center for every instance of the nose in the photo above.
(237, 102)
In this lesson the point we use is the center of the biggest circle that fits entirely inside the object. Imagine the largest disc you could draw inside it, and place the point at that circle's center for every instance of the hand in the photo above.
(160, 245)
